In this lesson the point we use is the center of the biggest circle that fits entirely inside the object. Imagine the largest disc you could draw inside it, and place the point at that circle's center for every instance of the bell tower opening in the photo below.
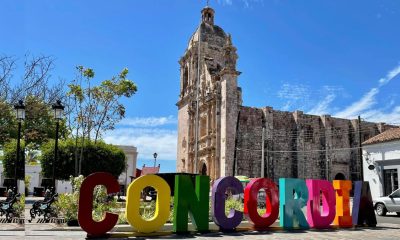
(208, 15)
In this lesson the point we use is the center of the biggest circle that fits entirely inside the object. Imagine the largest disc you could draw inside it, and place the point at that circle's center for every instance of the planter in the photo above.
(73, 223)
(19, 221)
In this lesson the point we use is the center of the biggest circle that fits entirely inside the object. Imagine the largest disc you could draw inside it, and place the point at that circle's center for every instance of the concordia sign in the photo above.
(287, 202)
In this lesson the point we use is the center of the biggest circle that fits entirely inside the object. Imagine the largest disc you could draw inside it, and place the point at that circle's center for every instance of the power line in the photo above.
(299, 151)
(321, 132)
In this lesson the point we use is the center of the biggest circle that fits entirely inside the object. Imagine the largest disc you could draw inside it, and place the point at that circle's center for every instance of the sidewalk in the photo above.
(382, 231)
(51, 231)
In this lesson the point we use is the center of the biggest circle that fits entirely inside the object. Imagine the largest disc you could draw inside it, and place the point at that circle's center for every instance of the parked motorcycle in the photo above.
(44, 207)
(6, 207)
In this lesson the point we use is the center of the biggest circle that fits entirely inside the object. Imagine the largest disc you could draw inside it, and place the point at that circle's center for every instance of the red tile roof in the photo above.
(149, 170)
(388, 135)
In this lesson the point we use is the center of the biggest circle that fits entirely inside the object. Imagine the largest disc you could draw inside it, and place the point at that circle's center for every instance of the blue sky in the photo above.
(322, 57)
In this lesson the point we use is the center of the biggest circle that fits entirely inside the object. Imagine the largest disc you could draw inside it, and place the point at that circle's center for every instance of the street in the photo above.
(389, 218)
(388, 228)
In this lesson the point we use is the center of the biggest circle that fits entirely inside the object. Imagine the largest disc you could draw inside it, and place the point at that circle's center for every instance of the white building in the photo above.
(381, 162)
(65, 186)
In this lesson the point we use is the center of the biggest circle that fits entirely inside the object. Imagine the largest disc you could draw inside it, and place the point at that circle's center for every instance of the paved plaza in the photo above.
(388, 228)
(54, 231)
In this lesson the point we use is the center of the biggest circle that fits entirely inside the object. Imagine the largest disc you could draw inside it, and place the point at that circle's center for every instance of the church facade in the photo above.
(218, 136)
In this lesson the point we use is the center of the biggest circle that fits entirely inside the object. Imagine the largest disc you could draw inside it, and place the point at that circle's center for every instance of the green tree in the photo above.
(9, 159)
(38, 96)
(98, 157)
(95, 109)
(8, 123)
(39, 123)
(98, 108)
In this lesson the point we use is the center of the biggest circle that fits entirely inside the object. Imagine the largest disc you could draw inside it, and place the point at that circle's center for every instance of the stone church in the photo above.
(218, 136)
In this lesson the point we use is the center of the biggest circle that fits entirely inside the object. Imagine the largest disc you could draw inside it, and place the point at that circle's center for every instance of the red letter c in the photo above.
(85, 207)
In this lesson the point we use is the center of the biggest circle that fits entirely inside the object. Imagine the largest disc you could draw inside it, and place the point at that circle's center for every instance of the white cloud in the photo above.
(226, 2)
(293, 91)
(299, 96)
(363, 106)
(295, 95)
(356, 108)
(379, 115)
(390, 76)
(246, 3)
(329, 94)
(322, 106)
(148, 121)
(147, 141)
(148, 134)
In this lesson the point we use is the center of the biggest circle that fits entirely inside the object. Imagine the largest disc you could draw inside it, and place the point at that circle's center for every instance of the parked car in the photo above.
(390, 203)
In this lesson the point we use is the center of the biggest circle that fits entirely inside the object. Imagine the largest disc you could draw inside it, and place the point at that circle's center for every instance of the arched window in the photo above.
(185, 80)
(340, 176)
(203, 169)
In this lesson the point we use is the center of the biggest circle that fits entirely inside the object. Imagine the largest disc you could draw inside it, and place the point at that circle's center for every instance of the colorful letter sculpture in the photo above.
(293, 196)
(194, 201)
(363, 208)
(85, 207)
(251, 203)
(161, 215)
(230, 222)
(343, 217)
(315, 218)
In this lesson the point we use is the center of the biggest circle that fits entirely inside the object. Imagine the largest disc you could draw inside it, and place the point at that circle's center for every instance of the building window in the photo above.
(390, 180)
(185, 80)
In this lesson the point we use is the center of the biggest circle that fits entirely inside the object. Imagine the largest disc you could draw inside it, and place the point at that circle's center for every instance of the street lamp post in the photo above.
(20, 114)
(155, 158)
(328, 169)
(58, 115)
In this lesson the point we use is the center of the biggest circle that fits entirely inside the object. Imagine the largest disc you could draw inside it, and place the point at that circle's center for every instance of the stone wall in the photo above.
(299, 145)
(248, 148)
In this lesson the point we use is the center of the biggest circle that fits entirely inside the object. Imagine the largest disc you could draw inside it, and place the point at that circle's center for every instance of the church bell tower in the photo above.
(208, 102)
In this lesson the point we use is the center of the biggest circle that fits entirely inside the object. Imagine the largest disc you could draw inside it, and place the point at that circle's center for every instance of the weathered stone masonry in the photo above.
(299, 145)
(229, 135)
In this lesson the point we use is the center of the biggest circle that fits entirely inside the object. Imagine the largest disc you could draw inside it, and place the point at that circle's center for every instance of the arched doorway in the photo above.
(203, 169)
(340, 176)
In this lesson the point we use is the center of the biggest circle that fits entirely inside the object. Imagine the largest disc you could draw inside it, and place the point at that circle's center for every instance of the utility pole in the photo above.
(326, 158)
(360, 149)
(262, 153)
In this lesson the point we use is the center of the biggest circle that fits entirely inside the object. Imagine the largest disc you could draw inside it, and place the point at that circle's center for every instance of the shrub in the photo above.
(97, 157)
(19, 206)
(10, 157)
(67, 204)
